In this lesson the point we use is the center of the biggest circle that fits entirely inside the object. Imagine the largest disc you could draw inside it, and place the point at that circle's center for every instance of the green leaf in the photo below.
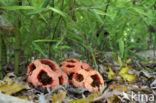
(46, 2)
(120, 61)
(92, 54)
(100, 12)
(37, 11)
(57, 11)
(42, 41)
(37, 3)
(60, 41)
(137, 56)
(75, 36)
(17, 7)
(2, 3)
(121, 47)
(97, 16)
(140, 11)
(38, 48)
(11, 2)
(65, 47)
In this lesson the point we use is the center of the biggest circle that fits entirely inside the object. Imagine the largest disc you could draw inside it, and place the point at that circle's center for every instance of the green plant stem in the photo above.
(50, 44)
(4, 52)
(90, 49)
(17, 45)
(17, 51)
(53, 34)
(102, 26)
(72, 10)
(52, 5)
(1, 75)
(29, 1)
(17, 41)
(94, 59)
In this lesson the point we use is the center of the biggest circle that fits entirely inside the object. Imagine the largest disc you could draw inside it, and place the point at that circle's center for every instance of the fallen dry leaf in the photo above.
(127, 76)
(111, 74)
(10, 86)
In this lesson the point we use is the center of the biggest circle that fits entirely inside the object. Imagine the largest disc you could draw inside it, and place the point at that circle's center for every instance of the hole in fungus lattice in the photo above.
(44, 78)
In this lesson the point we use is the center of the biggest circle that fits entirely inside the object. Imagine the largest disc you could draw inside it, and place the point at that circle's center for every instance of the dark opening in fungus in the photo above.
(96, 80)
(79, 77)
(44, 78)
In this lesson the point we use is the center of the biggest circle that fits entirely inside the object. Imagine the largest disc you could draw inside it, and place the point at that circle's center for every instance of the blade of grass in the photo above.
(17, 7)
(57, 11)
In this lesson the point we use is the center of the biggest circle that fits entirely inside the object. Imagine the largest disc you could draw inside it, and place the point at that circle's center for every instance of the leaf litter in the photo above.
(120, 82)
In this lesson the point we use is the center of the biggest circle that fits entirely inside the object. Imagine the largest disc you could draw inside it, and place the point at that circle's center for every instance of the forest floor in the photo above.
(134, 82)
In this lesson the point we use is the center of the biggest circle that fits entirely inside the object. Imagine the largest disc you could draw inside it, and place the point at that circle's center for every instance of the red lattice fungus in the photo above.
(93, 81)
(46, 73)
(71, 66)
